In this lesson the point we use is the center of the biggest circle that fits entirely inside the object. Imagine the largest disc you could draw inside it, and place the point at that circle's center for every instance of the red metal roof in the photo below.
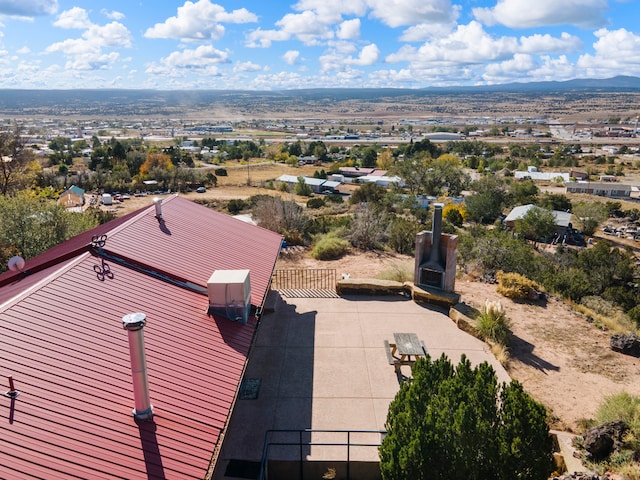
(62, 340)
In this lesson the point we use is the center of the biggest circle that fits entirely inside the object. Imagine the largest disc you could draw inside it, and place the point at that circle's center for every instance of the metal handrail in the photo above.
(300, 444)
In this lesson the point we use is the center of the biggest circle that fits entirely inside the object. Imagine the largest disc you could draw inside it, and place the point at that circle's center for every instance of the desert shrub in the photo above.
(492, 324)
(401, 235)
(599, 305)
(571, 283)
(622, 407)
(221, 172)
(515, 286)
(236, 205)
(634, 315)
(455, 217)
(302, 188)
(335, 198)
(283, 187)
(330, 247)
(315, 202)
(368, 228)
(398, 273)
(487, 251)
(327, 223)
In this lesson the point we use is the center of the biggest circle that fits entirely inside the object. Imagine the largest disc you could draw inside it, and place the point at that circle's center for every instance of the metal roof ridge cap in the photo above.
(142, 211)
(40, 283)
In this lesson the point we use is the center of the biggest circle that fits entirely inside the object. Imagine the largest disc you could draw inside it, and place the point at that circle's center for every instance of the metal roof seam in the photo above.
(43, 282)
(148, 270)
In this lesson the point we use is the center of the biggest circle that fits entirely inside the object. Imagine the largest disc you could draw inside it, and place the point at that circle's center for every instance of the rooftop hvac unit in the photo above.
(230, 294)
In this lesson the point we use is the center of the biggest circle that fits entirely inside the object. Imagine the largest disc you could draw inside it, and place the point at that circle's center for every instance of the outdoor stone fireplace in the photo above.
(436, 256)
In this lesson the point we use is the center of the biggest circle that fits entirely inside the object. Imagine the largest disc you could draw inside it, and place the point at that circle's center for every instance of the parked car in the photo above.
(201, 189)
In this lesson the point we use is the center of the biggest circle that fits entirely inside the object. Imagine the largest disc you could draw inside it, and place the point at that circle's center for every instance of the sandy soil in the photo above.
(561, 359)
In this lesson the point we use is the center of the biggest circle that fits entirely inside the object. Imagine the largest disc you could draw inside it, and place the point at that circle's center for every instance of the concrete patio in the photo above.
(321, 364)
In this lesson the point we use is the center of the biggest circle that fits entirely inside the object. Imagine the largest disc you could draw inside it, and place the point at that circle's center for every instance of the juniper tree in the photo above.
(459, 424)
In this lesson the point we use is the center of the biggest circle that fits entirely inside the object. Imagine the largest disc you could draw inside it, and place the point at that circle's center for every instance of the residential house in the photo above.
(72, 197)
(532, 173)
(318, 185)
(563, 219)
(66, 360)
(603, 189)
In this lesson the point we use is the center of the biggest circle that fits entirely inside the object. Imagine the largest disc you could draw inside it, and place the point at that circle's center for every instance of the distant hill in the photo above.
(103, 102)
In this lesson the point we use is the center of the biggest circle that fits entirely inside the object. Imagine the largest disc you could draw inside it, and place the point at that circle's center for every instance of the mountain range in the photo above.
(17, 102)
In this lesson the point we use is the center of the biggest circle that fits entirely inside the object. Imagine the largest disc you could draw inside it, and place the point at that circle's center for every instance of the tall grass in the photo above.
(492, 324)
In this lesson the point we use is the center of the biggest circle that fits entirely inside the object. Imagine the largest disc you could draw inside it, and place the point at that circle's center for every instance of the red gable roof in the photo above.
(62, 340)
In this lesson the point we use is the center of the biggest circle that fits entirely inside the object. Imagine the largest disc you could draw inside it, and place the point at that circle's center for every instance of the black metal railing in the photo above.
(304, 279)
(300, 441)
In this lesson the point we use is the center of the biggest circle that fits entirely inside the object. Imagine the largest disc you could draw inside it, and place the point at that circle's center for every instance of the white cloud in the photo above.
(90, 61)
(332, 11)
(518, 66)
(340, 59)
(199, 21)
(23, 50)
(75, 17)
(264, 38)
(113, 14)
(112, 34)
(247, 67)
(423, 32)
(400, 13)
(306, 26)
(524, 14)
(349, 29)
(28, 8)
(291, 57)
(368, 55)
(547, 44)
(468, 44)
(87, 53)
(559, 68)
(615, 51)
(203, 56)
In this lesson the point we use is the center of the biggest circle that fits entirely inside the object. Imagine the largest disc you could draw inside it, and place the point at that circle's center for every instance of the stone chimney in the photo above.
(436, 256)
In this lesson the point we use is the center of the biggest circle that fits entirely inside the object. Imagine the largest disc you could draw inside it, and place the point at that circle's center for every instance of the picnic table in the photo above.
(405, 350)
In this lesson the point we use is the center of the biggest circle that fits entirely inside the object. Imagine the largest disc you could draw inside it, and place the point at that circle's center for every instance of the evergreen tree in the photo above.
(457, 424)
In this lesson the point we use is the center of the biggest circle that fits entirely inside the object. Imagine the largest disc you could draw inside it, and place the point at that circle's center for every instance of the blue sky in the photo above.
(276, 45)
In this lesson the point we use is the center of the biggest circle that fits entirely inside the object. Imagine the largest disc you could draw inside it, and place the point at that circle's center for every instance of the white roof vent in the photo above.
(157, 202)
(230, 294)
(16, 264)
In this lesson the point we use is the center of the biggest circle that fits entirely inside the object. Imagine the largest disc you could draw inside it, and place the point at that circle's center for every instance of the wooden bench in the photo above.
(390, 358)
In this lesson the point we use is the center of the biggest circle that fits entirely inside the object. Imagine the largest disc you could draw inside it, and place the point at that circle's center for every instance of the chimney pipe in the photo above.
(133, 323)
(436, 233)
(157, 201)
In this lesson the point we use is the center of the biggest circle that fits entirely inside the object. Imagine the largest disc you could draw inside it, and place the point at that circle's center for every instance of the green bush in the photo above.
(283, 187)
(330, 247)
(454, 217)
(622, 407)
(236, 205)
(315, 202)
(335, 198)
(457, 423)
(634, 315)
(221, 172)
